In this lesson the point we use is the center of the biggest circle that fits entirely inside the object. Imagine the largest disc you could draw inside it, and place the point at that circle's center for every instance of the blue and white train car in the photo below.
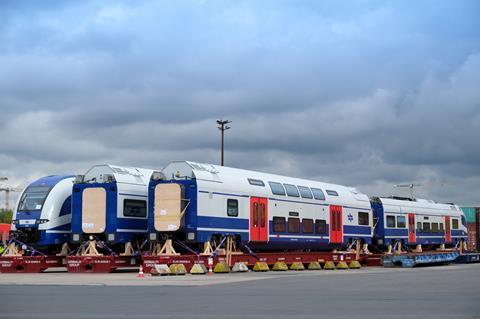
(110, 202)
(417, 222)
(196, 202)
(42, 215)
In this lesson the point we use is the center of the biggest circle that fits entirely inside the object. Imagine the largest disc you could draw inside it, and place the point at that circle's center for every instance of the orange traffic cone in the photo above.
(140, 272)
(210, 264)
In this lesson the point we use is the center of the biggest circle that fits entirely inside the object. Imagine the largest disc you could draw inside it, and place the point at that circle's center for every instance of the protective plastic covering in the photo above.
(168, 213)
(94, 209)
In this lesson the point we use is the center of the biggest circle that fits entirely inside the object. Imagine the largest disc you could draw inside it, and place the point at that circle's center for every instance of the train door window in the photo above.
(426, 227)
(292, 190)
(232, 207)
(464, 221)
(435, 227)
(441, 227)
(262, 215)
(363, 218)
(454, 223)
(279, 225)
(401, 222)
(320, 226)
(255, 214)
(331, 193)
(307, 226)
(318, 193)
(390, 221)
(305, 192)
(277, 188)
(293, 225)
(134, 208)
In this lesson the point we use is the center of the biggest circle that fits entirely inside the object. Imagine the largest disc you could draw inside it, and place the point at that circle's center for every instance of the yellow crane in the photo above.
(7, 189)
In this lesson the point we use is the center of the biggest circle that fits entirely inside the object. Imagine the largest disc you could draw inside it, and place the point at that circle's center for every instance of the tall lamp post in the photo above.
(222, 126)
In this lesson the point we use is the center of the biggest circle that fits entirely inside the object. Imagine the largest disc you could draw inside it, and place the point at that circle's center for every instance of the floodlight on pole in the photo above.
(222, 126)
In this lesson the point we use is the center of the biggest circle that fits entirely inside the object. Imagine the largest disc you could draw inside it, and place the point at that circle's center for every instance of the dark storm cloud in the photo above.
(369, 94)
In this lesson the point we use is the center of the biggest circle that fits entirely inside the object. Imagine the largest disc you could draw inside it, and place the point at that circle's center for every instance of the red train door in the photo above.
(448, 234)
(336, 233)
(411, 228)
(258, 219)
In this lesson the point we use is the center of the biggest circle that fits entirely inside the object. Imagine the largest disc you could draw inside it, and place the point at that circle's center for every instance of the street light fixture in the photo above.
(223, 127)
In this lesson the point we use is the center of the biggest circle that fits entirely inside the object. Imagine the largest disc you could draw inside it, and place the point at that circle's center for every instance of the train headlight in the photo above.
(111, 237)
(152, 236)
(76, 237)
(191, 236)
(41, 221)
(380, 241)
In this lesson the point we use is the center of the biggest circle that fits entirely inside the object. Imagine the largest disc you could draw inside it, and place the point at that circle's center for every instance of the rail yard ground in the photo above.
(429, 292)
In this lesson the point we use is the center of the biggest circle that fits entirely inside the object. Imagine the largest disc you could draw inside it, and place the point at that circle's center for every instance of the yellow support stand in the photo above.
(166, 250)
(128, 250)
(65, 251)
(207, 249)
(11, 250)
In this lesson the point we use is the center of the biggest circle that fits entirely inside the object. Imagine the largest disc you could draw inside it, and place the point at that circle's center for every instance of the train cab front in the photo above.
(166, 208)
(93, 197)
(28, 216)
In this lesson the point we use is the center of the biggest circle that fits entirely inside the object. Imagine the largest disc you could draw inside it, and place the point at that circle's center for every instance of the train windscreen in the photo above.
(33, 198)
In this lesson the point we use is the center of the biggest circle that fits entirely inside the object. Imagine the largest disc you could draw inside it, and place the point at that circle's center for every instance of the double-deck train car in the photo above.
(417, 221)
(197, 202)
(42, 214)
(110, 202)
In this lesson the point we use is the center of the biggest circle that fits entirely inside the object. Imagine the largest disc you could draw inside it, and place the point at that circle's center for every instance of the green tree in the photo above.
(6, 216)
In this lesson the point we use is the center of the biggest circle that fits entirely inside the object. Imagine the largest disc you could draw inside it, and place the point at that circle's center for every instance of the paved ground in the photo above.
(437, 292)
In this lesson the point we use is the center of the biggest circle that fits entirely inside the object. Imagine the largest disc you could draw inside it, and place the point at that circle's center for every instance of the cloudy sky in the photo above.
(364, 93)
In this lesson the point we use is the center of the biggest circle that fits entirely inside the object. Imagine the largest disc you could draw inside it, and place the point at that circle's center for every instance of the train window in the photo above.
(401, 221)
(419, 226)
(363, 218)
(291, 190)
(318, 193)
(426, 227)
(293, 225)
(441, 227)
(294, 214)
(279, 225)
(277, 188)
(232, 207)
(305, 192)
(464, 221)
(435, 227)
(454, 223)
(134, 208)
(33, 198)
(320, 226)
(256, 182)
(425, 218)
(391, 221)
(307, 226)
(331, 193)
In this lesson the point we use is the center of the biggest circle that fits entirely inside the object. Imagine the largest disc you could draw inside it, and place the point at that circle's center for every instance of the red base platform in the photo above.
(30, 264)
(100, 264)
(270, 258)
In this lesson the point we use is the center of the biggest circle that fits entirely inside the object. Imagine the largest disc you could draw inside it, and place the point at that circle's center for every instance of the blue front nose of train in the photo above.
(28, 219)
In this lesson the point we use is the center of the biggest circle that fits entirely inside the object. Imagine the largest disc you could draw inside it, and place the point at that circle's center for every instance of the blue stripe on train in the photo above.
(128, 223)
(222, 222)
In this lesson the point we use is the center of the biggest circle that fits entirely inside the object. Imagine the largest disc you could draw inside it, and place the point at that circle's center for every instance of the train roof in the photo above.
(122, 174)
(49, 180)
(235, 178)
(418, 203)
